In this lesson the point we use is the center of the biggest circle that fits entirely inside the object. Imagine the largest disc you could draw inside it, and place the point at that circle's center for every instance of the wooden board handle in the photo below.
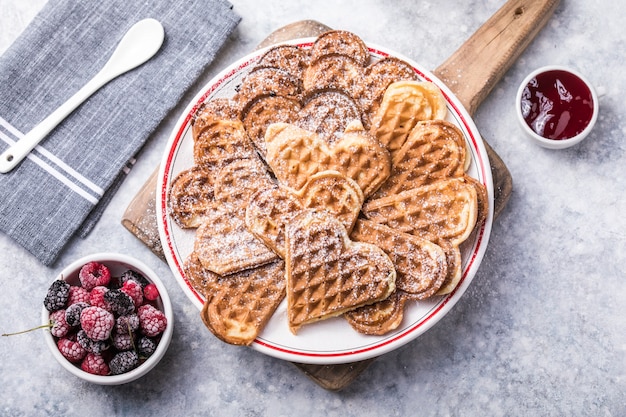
(476, 67)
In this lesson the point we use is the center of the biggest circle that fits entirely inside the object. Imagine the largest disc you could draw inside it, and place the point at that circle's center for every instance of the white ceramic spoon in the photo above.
(138, 45)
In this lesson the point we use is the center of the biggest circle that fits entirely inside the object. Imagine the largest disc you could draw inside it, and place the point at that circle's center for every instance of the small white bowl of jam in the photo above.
(556, 106)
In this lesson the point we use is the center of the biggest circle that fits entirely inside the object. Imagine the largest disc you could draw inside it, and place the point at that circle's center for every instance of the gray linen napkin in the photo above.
(60, 190)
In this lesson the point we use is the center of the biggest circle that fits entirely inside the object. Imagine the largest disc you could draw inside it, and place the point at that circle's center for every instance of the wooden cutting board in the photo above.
(471, 73)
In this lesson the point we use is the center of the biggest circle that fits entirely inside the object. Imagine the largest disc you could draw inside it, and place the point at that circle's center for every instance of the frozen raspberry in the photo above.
(151, 292)
(123, 362)
(146, 347)
(60, 327)
(94, 364)
(93, 346)
(71, 350)
(119, 302)
(127, 324)
(77, 295)
(123, 341)
(72, 313)
(57, 295)
(151, 320)
(134, 290)
(135, 276)
(97, 322)
(94, 274)
(96, 297)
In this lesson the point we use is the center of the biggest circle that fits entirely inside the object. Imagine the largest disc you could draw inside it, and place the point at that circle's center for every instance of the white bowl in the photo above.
(547, 142)
(118, 264)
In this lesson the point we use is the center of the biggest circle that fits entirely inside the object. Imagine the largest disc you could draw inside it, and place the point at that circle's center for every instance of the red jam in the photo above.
(557, 105)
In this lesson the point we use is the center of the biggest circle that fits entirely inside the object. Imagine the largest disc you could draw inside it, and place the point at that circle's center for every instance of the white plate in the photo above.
(331, 341)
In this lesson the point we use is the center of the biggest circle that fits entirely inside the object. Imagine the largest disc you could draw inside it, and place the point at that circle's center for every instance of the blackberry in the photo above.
(72, 313)
(127, 324)
(94, 346)
(57, 295)
(119, 302)
(123, 362)
(146, 347)
(122, 341)
(134, 275)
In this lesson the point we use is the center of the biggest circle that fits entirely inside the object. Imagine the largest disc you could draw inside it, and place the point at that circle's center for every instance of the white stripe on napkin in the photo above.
(96, 192)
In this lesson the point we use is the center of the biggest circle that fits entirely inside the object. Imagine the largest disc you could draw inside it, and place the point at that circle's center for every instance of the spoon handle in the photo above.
(139, 44)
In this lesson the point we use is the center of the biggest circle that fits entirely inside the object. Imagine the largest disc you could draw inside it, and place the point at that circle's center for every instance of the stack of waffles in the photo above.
(330, 179)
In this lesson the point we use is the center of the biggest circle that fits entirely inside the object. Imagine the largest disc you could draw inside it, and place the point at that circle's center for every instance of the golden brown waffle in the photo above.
(444, 209)
(403, 105)
(378, 76)
(238, 306)
(201, 279)
(211, 112)
(289, 58)
(238, 180)
(224, 245)
(269, 211)
(190, 196)
(267, 214)
(340, 42)
(295, 155)
(328, 274)
(335, 72)
(327, 113)
(334, 193)
(359, 156)
(482, 198)
(267, 110)
(434, 150)
(453, 259)
(221, 142)
(421, 265)
(378, 318)
(267, 81)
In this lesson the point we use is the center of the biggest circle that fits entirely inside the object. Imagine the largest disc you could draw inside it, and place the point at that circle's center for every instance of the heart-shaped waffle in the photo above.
(378, 76)
(328, 113)
(295, 155)
(403, 105)
(211, 112)
(340, 42)
(270, 210)
(191, 196)
(435, 149)
(334, 193)
(378, 318)
(239, 305)
(221, 142)
(224, 245)
(264, 111)
(337, 72)
(264, 81)
(444, 209)
(289, 58)
(267, 214)
(421, 265)
(327, 273)
(237, 181)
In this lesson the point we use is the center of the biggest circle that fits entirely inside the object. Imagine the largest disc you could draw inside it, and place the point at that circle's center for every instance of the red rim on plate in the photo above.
(330, 341)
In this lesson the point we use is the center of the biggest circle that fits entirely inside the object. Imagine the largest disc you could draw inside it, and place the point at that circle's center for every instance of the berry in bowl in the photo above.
(110, 319)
